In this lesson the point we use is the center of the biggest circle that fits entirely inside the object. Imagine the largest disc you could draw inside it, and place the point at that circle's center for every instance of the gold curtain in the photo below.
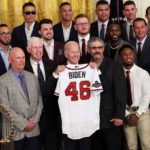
(11, 10)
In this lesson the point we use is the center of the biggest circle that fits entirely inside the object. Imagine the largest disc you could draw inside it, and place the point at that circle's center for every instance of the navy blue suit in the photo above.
(145, 53)
(58, 33)
(19, 38)
(2, 66)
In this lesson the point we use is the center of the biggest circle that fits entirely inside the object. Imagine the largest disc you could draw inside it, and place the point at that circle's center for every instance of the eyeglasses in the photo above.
(30, 12)
(83, 24)
(5, 33)
(98, 47)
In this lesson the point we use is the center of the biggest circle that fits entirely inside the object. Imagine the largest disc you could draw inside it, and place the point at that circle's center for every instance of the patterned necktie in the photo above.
(129, 96)
(23, 85)
(83, 47)
(102, 32)
(40, 74)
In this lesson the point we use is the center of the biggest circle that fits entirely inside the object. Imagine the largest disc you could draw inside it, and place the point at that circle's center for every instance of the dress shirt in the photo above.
(142, 43)
(16, 74)
(5, 56)
(140, 89)
(35, 65)
(29, 30)
(87, 37)
(66, 32)
(100, 26)
(49, 49)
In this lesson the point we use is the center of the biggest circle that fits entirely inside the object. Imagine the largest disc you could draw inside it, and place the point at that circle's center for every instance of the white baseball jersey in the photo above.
(79, 91)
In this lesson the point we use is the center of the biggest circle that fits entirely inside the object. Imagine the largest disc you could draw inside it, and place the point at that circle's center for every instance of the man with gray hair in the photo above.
(113, 99)
(47, 73)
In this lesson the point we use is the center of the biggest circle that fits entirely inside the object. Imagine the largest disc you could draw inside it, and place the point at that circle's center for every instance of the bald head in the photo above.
(17, 59)
(72, 52)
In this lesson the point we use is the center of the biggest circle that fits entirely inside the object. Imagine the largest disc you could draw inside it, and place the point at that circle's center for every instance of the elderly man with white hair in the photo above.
(47, 73)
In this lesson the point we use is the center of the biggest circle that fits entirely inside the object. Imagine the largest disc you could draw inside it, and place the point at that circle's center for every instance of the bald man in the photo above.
(20, 93)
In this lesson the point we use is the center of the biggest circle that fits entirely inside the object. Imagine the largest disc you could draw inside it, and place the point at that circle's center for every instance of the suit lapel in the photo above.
(16, 84)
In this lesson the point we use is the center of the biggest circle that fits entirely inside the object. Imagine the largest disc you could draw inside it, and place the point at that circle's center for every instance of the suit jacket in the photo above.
(14, 99)
(145, 54)
(19, 38)
(94, 32)
(2, 66)
(113, 98)
(49, 100)
(124, 33)
(58, 53)
(58, 33)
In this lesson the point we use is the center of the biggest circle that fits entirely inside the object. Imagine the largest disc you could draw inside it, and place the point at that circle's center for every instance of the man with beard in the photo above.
(5, 38)
(113, 99)
(138, 99)
(82, 26)
(115, 42)
(52, 49)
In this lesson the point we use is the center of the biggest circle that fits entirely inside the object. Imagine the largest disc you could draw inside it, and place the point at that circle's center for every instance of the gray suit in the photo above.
(13, 97)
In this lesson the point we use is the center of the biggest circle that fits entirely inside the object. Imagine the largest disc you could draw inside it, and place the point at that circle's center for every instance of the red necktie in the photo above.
(129, 96)
(83, 47)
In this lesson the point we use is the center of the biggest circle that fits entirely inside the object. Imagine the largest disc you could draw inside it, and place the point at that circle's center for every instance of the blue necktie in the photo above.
(102, 32)
(23, 85)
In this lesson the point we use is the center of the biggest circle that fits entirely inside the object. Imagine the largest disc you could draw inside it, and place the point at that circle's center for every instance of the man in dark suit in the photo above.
(113, 99)
(50, 116)
(64, 30)
(5, 38)
(52, 49)
(142, 42)
(129, 10)
(22, 33)
(82, 26)
(99, 27)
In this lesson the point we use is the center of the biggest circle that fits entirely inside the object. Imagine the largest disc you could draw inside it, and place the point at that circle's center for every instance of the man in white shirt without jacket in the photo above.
(137, 112)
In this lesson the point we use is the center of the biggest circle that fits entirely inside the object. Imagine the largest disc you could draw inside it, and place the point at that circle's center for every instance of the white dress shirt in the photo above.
(35, 65)
(29, 30)
(66, 32)
(142, 42)
(87, 37)
(49, 49)
(140, 88)
(100, 26)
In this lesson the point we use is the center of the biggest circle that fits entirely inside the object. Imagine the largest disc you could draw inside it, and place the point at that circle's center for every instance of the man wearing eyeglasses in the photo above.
(5, 38)
(82, 26)
(113, 99)
(29, 28)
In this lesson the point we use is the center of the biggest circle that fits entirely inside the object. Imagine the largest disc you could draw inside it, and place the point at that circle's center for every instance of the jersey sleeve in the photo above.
(57, 90)
(96, 86)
